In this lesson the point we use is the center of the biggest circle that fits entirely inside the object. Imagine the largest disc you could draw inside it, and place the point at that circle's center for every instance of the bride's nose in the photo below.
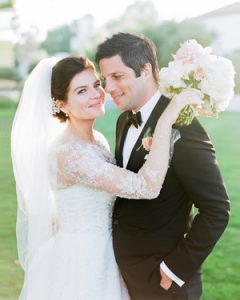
(98, 93)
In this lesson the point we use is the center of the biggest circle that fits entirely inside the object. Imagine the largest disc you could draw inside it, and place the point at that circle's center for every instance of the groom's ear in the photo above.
(147, 71)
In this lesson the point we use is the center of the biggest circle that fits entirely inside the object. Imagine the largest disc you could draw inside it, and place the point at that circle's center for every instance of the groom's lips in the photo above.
(116, 97)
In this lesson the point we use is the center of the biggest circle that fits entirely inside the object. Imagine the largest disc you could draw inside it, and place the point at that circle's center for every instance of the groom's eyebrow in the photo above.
(112, 74)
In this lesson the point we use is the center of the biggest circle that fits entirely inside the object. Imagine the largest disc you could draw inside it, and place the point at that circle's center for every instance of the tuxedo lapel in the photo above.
(121, 134)
(138, 153)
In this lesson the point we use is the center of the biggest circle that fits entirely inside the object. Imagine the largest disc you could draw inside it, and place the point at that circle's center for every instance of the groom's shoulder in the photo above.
(194, 134)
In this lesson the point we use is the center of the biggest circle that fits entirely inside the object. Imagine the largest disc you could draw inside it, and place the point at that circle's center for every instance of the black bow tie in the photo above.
(134, 119)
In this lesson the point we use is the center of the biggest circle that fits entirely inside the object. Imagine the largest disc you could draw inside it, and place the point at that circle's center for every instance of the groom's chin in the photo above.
(120, 107)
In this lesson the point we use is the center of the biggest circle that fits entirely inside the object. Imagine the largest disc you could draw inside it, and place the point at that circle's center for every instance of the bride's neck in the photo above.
(82, 129)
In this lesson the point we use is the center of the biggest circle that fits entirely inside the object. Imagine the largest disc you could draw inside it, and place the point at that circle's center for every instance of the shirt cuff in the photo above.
(170, 274)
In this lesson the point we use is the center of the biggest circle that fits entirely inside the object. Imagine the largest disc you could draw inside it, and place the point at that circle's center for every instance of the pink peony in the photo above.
(199, 73)
(190, 51)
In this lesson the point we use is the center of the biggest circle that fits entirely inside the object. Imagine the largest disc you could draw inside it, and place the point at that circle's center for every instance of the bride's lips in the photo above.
(96, 105)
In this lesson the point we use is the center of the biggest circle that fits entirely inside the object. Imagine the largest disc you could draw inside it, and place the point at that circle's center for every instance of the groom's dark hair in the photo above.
(135, 51)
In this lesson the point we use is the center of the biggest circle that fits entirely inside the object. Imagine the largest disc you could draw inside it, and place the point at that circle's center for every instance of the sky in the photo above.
(47, 14)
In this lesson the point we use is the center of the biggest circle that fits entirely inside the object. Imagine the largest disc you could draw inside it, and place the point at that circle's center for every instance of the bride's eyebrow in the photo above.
(84, 86)
(80, 87)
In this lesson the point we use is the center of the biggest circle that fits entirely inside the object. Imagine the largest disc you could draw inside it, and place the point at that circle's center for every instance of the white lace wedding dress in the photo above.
(78, 262)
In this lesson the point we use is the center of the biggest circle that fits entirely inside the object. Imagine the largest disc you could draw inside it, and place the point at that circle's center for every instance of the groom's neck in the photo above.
(147, 97)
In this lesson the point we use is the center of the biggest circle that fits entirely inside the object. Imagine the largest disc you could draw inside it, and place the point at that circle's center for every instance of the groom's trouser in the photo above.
(189, 291)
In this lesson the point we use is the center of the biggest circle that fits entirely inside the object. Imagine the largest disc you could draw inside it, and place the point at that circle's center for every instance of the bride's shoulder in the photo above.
(101, 139)
(66, 144)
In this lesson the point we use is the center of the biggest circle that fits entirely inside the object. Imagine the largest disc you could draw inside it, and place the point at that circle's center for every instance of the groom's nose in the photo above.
(109, 86)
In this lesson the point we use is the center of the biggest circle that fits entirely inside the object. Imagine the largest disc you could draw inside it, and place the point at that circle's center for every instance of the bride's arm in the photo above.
(85, 167)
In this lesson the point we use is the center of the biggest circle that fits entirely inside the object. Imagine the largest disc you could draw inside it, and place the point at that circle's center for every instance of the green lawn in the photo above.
(6, 54)
(222, 268)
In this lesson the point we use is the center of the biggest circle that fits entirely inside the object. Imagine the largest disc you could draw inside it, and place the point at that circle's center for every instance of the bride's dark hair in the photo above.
(62, 75)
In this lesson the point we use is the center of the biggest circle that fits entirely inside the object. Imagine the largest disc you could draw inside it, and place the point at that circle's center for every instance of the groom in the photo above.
(160, 244)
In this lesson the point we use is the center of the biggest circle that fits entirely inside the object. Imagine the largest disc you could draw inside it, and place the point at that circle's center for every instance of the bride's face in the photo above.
(85, 96)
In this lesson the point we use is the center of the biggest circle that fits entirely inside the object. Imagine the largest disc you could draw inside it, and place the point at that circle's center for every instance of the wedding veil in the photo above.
(33, 131)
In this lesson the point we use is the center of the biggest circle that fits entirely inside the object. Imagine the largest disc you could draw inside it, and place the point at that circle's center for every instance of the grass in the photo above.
(221, 269)
(10, 273)
(7, 55)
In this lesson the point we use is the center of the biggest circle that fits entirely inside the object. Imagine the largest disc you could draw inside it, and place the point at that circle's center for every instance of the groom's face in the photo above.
(121, 83)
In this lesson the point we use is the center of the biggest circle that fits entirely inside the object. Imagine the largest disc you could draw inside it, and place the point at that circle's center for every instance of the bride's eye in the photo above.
(81, 91)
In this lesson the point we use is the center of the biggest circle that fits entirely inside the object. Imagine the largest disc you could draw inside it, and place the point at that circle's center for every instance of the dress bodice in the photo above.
(80, 207)
(83, 209)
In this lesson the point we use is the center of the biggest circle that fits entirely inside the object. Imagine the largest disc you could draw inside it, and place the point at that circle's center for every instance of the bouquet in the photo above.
(195, 67)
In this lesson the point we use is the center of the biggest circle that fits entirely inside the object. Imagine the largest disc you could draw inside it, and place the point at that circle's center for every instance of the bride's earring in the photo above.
(66, 114)
(55, 108)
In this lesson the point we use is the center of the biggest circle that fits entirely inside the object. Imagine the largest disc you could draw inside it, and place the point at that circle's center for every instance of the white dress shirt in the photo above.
(130, 140)
(133, 132)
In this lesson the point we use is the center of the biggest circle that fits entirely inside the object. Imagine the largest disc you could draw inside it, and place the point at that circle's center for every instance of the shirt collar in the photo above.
(149, 105)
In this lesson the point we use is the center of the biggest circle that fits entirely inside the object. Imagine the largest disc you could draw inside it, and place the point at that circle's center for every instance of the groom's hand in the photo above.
(165, 282)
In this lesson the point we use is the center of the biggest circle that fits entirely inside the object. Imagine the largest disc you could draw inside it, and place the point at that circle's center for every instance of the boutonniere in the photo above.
(147, 140)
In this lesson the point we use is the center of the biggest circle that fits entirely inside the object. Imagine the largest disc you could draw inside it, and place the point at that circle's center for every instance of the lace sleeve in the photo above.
(86, 164)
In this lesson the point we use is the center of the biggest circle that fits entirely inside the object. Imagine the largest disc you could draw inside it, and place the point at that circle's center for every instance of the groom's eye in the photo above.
(117, 76)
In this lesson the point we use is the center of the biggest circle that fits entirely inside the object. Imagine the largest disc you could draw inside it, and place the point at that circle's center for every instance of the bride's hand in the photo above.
(189, 96)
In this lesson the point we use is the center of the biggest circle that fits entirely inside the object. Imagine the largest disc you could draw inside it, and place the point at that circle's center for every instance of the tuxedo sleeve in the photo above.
(196, 167)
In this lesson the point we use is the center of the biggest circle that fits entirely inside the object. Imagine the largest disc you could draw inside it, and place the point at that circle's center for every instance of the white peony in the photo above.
(218, 81)
(173, 76)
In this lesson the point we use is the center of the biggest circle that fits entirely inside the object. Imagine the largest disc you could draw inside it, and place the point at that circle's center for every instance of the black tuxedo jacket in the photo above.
(145, 232)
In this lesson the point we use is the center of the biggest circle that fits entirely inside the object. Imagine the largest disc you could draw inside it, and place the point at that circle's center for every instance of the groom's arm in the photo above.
(195, 165)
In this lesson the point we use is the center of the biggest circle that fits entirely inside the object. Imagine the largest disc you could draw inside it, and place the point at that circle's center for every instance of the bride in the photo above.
(67, 180)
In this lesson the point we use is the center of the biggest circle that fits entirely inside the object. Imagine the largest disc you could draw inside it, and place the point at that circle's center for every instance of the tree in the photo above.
(24, 49)
(6, 4)
(137, 16)
(235, 58)
(169, 35)
(58, 40)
